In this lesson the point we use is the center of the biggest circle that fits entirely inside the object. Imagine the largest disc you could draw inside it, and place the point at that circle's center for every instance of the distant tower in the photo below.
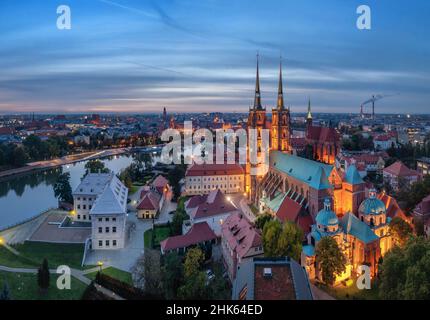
(373, 107)
(280, 130)
(309, 117)
(256, 120)
(164, 115)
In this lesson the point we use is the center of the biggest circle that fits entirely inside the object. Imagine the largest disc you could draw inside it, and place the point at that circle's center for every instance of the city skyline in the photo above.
(138, 57)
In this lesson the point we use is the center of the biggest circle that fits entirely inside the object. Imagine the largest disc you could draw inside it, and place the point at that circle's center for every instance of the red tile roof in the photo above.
(199, 233)
(292, 211)
(323, 134)
(150, 201)
(215, 203)
(6, 131)
(214, 170)
(393, 208)
(240, 234)
(400, 170)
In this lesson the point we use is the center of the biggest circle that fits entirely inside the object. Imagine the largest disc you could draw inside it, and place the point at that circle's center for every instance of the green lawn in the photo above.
(352, 292)
(23, 286)
(113, 273)
(9, 259)
(133, 189)
(161, 233)
(57, 254)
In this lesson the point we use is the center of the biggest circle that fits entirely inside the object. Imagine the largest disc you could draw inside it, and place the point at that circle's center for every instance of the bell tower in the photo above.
(281, 121)
(256, 120)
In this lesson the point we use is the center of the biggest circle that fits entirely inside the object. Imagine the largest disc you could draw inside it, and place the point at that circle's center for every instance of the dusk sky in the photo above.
(195, 56)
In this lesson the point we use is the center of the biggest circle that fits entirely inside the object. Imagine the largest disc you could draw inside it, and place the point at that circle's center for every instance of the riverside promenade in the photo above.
(48, 164)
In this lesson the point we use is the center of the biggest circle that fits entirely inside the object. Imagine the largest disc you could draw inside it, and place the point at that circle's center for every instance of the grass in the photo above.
(11, 260)
(23, 286)
(57, 254)
(161, 233)
(113, 273)
(342, 292)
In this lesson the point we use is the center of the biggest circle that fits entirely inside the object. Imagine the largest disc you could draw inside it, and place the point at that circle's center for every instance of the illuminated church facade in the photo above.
(317, 196)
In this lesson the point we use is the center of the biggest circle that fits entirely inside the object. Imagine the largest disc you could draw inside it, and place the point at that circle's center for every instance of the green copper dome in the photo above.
(326, 217)
(372, 205)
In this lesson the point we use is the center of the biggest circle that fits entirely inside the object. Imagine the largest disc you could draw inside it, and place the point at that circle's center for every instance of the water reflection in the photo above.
(24, 196)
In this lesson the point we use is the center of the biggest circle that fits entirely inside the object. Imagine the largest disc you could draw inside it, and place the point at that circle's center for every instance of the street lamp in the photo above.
(2, 242)
(100, 264)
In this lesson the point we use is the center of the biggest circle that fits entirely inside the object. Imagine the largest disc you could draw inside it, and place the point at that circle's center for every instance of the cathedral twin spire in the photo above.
(257, 99)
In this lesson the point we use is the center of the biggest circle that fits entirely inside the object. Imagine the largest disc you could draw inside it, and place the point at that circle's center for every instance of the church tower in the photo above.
(256, 120)
(309, 117)
(280, 130)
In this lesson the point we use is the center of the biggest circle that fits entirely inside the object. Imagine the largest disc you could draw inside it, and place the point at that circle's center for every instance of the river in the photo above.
(25, 196)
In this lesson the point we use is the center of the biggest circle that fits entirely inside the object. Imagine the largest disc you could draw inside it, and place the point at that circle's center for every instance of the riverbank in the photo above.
(49, 164)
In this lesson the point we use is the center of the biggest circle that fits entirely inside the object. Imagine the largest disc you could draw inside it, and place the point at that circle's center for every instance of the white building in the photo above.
(102, 199)
(86, 193)
(202, 179)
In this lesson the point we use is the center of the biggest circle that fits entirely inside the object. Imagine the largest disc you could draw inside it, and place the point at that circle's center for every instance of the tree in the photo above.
(282, 240)
(172, 275)
(147, 273)
(419, 227)
(261, 220)
(5, 294)
(19, 157)
(43, 276)
(174, 177)
(193, 261)
(329, 259)
(195, 279)
(95, 166)
(401, 231)
(405, 272)
(62, 188)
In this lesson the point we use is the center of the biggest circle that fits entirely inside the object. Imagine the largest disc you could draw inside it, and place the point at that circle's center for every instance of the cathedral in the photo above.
(321, 199)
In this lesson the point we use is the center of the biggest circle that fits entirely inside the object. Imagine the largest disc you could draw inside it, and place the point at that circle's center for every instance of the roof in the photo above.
(323, 134)
(160, 183)
(150, 200)
(288, 280)
(215, 203)
(393, 208)
(353, 226)
(352, 176)
(326, 217)
(199, 233)
(400, 170)
(214, 170)
(310, 172)
(372, 206)
(240, 234)
(289, 210)
(309, 250)
(93, 184)
(113, 199)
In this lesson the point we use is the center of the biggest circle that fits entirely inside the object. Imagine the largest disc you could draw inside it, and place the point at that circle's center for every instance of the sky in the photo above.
(199, 55)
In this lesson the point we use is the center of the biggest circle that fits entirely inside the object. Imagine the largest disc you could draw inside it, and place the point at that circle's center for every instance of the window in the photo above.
(107, 219)
(114, 243)
(113, 219)
(85, 199)
(90, 207)
(100, 230)
(107, 242)
(84, 217)
(107, 230)
(79, 217)
(79, 198)
(100, 243)
(114, 229)
(100, 219)
(84, 207)
(78, 206)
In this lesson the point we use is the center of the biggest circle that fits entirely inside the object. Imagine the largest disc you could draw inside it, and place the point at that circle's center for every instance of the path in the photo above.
(320, 294)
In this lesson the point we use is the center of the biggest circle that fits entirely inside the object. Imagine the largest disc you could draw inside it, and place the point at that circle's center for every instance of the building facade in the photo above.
(202, 179)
